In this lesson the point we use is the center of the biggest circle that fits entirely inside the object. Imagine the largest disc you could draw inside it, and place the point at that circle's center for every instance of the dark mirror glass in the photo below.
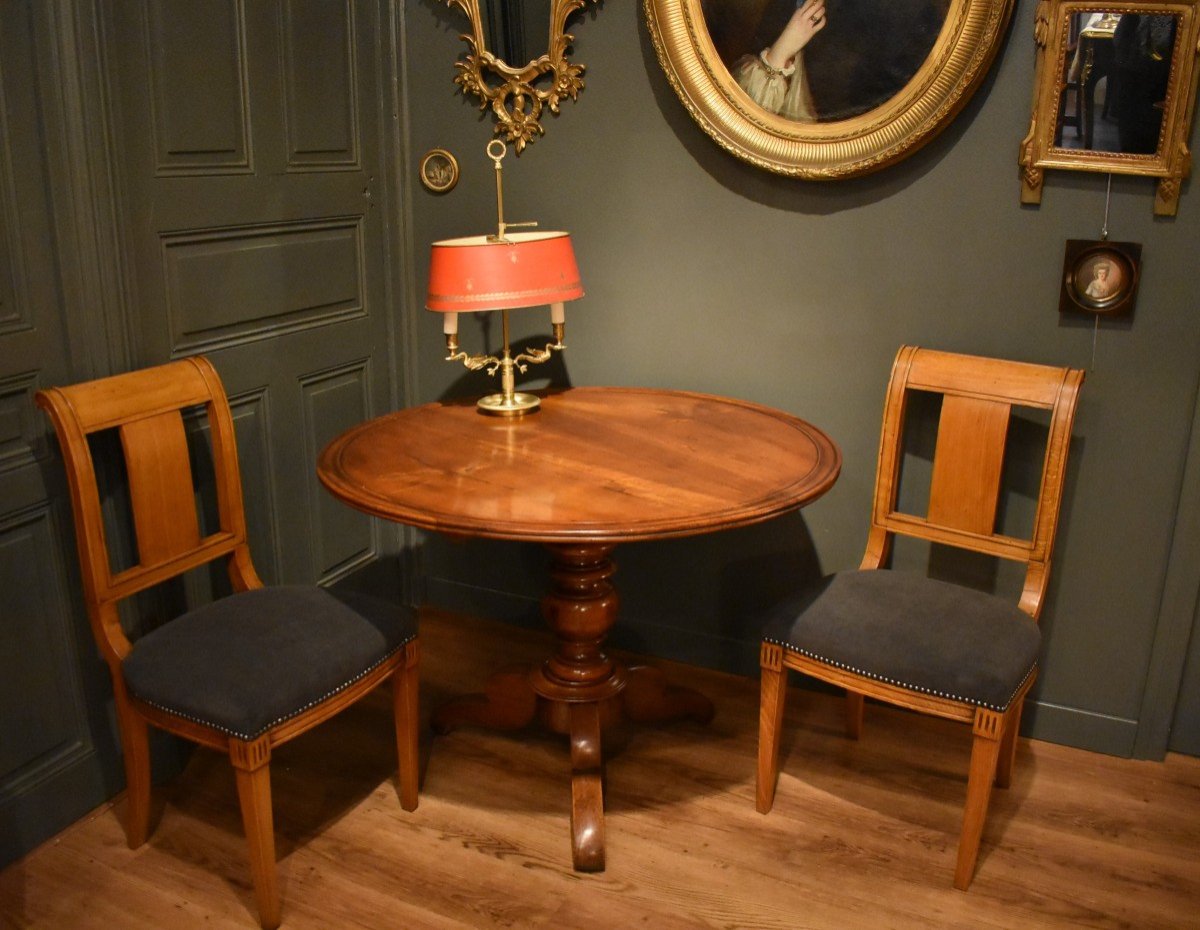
(516, 31)
(1115, 81)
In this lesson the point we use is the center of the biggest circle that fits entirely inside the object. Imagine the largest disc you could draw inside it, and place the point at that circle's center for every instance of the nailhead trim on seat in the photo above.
(789, 647)
(289, 716)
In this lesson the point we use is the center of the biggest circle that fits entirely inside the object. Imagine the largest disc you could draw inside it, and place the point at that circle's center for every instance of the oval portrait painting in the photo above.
(825, 88)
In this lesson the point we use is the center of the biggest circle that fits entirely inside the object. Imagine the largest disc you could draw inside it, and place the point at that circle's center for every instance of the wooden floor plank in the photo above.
(862, 834)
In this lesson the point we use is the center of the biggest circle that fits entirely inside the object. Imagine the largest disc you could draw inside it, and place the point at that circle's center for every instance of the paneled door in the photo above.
(247, 141)
(56, 757)
(252, 138)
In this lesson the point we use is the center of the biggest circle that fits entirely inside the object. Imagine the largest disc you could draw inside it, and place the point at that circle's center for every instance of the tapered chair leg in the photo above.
(854, 713)
(251, 763)
(772, 699)
(985, 752)
(135, 743)
(405, 712)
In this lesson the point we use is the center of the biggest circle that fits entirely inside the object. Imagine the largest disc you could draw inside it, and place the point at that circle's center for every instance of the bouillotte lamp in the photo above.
(503, 272)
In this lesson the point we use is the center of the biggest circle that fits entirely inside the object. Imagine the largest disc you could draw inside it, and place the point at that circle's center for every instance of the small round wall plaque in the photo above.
(439, 171)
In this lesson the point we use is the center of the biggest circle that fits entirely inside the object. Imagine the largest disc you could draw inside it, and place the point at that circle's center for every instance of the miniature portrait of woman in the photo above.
(1099, 278)
(1105, 281)
(823, 60)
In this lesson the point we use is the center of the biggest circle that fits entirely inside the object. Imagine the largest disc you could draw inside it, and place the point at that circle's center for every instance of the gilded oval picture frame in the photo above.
(867, 82)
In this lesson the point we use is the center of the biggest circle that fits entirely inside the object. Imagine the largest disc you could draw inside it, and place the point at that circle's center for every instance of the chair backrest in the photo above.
(978, 396)
(146, 408)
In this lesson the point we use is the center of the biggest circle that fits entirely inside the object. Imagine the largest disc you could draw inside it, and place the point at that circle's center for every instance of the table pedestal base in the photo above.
(578, 691)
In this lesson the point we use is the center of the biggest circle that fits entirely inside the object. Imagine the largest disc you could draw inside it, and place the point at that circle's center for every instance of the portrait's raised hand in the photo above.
(806, 22)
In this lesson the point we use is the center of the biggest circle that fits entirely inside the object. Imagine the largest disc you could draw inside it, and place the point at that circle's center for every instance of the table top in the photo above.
(594, 464)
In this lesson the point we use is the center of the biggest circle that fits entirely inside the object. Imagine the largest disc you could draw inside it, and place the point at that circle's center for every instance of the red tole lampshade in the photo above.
(522, 270)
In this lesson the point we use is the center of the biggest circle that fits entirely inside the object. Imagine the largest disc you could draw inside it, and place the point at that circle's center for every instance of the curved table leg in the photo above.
(649, 698)
(587, 789)
(508, 703)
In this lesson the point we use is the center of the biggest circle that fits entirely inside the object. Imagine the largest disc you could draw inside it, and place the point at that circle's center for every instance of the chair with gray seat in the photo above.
(914, 641)
(243, 673)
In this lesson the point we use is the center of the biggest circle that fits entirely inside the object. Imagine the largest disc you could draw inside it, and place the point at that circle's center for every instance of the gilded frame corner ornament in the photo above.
(1044, 146)
(517, 104)
(957, 63)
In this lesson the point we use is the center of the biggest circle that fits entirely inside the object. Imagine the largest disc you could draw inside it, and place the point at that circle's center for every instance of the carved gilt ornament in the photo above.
(519, 94)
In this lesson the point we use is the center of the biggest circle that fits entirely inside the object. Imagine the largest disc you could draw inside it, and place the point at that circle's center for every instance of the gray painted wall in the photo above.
(707, 274)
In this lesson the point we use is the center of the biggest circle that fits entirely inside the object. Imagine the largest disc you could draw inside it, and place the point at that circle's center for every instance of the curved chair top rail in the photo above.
(147, 409)
(978, 396)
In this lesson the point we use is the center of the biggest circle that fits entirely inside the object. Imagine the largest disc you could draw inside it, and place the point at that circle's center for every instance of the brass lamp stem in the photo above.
(497, 157)
(509, 402)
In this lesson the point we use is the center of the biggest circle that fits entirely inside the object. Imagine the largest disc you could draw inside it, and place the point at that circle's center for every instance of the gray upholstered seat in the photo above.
(245, 663)
(915, 632)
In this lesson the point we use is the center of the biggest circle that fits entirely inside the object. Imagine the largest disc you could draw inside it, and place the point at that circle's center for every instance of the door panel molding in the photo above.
(43, 723)
(321, 96)
(1178, 614)
(237, 285)
(22, 434)
(334, 400)
(200, 92)
(252, 424)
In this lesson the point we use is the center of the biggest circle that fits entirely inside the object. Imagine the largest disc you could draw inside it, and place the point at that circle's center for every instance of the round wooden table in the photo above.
(592, 468)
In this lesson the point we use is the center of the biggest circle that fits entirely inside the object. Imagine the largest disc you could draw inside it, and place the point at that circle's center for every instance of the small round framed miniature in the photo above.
(439, 171)
(1100, 277)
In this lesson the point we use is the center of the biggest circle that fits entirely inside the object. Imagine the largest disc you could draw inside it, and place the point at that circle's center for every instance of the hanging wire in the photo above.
(1107, 203)
(1103, 238)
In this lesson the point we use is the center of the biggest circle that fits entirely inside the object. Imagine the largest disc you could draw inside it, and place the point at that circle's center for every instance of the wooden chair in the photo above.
(920, 643)
(244, 673)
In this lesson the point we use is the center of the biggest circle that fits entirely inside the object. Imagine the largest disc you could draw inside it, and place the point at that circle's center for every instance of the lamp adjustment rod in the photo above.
(497, 157)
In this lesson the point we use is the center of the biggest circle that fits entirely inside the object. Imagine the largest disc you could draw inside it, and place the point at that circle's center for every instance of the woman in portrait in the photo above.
(824, 60)
(775, 78)
(1106, 280)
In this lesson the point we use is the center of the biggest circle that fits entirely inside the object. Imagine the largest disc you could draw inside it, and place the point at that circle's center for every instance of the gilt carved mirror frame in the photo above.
(1115, 89)
(959, 48)
(520, 93)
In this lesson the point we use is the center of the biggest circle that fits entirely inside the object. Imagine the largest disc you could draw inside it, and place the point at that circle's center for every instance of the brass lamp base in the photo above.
(516, 405)
(509, 402)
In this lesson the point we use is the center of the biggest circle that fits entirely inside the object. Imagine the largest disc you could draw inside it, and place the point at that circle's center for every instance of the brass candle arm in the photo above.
(471, 362)
(509, 402)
